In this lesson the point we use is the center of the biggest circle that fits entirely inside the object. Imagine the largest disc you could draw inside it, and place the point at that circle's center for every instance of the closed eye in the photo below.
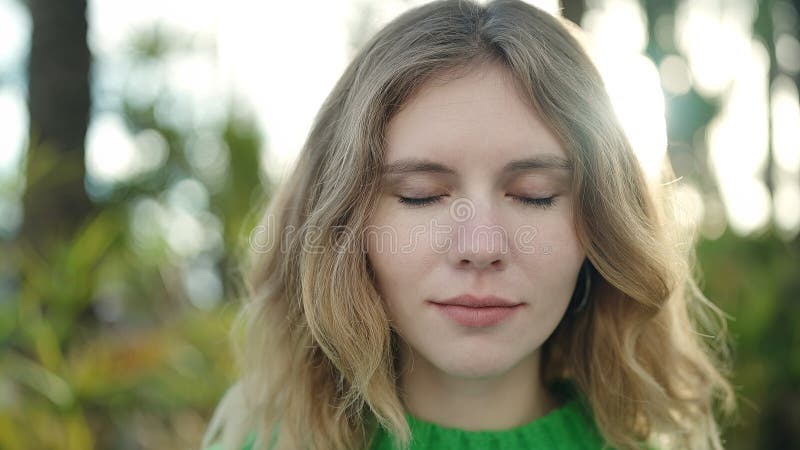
(542, 203)
(421, 201)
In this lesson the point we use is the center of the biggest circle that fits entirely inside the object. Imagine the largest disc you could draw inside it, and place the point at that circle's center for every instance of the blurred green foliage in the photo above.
(757, 281)
(102, 345)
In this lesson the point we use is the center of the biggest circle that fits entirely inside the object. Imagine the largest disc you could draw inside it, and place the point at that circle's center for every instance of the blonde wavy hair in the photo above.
(650, 353)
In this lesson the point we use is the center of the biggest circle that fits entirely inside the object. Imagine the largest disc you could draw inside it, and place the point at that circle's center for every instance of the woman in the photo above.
(467, 255)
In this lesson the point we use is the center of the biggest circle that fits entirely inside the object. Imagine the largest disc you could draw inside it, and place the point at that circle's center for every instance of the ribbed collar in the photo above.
(566, 427)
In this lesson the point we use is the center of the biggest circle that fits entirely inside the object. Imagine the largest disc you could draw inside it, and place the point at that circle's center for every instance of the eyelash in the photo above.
(542, 203)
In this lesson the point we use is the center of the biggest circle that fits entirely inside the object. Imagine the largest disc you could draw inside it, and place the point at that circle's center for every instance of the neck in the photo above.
(504, 401)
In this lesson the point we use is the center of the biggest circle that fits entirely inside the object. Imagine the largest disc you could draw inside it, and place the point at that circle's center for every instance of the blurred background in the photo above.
(137, 139)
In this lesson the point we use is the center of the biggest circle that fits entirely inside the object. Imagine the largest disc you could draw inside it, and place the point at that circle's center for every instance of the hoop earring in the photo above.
(587, 287)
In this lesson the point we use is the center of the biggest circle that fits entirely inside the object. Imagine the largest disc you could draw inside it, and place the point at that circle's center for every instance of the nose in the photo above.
(479, 239)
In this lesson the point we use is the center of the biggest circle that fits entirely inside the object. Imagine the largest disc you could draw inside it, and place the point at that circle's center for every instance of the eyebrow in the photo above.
(421, 165)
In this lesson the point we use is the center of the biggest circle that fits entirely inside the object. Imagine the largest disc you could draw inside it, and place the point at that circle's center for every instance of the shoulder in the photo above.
(248, 443)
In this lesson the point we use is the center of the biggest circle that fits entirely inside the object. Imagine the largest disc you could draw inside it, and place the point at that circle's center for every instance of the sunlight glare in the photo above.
(737, 141)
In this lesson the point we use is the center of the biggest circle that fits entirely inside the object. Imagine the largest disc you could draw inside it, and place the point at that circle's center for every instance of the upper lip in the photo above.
(473, 301)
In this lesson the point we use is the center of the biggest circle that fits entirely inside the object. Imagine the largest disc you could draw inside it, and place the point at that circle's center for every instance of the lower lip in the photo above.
(478, 317)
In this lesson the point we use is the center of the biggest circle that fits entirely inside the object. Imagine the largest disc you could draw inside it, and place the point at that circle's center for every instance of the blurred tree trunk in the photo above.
(573, 10)
(55, 199)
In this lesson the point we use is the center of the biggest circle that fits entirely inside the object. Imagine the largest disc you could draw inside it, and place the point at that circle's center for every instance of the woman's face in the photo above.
(475, 151)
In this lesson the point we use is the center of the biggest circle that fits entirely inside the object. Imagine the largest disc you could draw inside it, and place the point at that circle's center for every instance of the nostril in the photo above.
(497, 263)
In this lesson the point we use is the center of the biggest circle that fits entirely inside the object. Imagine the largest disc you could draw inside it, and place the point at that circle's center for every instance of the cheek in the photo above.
(399, 253)
(398, 276)
(547, 237)
(553, 257)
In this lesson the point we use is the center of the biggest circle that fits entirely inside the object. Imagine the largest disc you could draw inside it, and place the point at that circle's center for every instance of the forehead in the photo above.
(477, 119)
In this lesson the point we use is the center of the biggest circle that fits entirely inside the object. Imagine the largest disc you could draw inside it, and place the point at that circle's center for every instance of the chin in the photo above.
(476, 366)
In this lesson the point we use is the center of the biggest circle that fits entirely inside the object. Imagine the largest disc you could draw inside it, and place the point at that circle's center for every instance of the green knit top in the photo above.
(567, 427)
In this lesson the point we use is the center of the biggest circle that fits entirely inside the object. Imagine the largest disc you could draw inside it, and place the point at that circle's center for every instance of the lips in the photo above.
(472, 301)
(478, 312)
